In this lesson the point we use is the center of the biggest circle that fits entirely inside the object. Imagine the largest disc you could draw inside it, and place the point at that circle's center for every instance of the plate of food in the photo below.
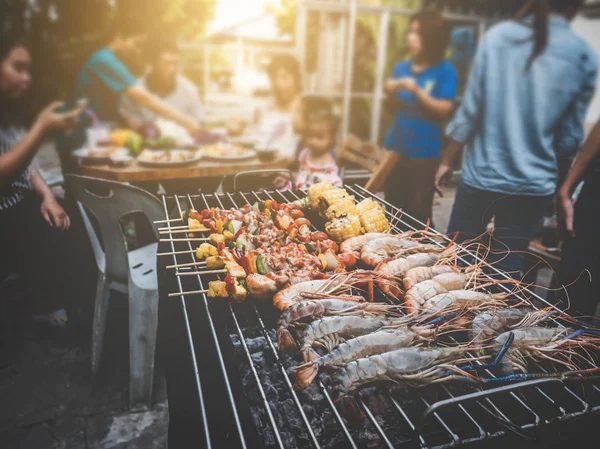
(227, 152)
(246, 140)
(169, 158)
(99, 154)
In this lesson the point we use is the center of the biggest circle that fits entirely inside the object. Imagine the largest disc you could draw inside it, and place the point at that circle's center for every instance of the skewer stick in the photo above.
(191, 264)
(181, 231)
(204, 239)
(170, 220)
(173, 253)
(198, 273)
(174, 227)
(195, 292)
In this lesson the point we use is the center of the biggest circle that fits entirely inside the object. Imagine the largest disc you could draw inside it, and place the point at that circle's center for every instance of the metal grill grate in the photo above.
(432, 417)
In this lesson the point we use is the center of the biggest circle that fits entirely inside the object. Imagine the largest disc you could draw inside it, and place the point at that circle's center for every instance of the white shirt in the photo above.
(276, 130)
(184, 98)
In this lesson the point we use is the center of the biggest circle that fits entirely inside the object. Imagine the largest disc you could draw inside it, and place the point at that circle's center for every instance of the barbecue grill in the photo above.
(239, 389)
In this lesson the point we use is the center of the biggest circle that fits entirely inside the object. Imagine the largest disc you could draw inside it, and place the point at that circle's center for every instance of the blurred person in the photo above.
(105, 79)
(163, 80)
(279, 124)
(522, 120)
(316, 159)
(35, 234)
(421, 91)
(581, 246)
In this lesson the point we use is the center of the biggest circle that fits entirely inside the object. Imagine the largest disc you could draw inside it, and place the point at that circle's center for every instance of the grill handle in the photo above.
(484, 395)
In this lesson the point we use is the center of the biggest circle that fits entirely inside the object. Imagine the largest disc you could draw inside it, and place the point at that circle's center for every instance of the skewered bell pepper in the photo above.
(261, 264)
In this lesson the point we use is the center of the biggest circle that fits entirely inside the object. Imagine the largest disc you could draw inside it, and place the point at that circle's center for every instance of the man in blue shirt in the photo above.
(104, 78)
(521, 119)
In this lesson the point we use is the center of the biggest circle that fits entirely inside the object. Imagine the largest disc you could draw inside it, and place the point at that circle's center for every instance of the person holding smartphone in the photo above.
(34, 227)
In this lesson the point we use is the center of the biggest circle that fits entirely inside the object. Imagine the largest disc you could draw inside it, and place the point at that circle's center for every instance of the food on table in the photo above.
(162, 143)
(135, 144)
(166, 156)
(119, 137)
(174, 131)
(235, 128)
(101, 152)
(225, 150)
(150, 131)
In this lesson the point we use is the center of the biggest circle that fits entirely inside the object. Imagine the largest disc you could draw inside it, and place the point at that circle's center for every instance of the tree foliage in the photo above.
(63, 33)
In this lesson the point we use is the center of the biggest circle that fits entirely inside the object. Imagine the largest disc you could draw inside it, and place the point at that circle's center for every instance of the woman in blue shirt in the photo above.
(522, 122)
(422, 91)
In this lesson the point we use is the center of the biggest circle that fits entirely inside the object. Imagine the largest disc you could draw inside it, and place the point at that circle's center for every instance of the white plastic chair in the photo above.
(133, 272)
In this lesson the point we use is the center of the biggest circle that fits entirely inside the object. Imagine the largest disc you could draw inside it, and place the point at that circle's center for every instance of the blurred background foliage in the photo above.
(63, 33)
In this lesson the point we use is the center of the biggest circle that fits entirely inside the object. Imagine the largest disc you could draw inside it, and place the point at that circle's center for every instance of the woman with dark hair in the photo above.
(422, 92)
(34, 227)
(522, 122)
(279, 124)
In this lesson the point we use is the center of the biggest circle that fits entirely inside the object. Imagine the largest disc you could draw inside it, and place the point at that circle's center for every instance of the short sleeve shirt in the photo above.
(102, 80)
(414, 133)
(13, 193)
(184, 98)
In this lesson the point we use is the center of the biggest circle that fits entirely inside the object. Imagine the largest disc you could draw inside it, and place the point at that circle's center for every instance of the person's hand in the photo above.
(566, 211)
(443, 174)
(194, 128)
(54, 214)
(281, 181)
(50, 119)
(389, 85)
(408, 84)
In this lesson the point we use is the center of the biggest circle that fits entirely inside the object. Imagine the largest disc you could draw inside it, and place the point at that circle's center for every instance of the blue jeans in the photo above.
(515, 220)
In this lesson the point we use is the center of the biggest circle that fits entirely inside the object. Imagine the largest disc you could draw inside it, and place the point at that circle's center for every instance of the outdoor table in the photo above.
(205, 168)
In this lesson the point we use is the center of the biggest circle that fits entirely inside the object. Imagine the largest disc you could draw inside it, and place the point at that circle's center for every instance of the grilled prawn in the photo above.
(365, 345)
(313, 309)
(489, 324)
(329, 332)
(354, 245)
(411, 366)
(556, 344)
(340, 286)
(461, 300)
(397, 267)
(378, 250)
(420, 274)
(442, 283)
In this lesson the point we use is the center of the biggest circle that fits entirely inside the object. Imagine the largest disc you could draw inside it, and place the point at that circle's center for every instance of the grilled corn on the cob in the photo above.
(372, 216)
(344, 227)
(341, 207)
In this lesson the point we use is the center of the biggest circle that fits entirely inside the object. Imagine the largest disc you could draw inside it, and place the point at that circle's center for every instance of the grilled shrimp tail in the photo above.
(351, 410)
(305, 374)
(309, 354)
(285, 341)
